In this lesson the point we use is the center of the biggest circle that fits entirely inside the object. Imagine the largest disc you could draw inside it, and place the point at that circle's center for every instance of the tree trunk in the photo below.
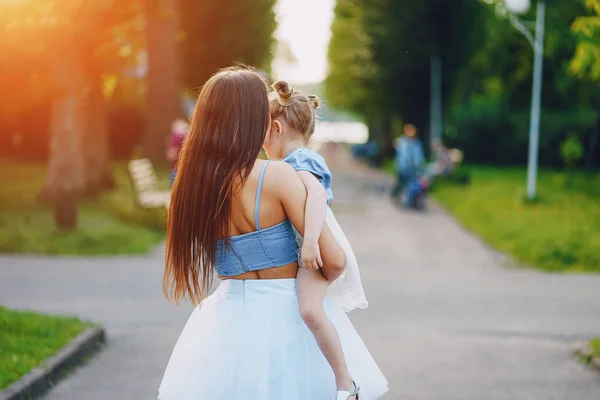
(95, 145)
(66, 167)
(163, 78)
(387, 136)
(373, 135)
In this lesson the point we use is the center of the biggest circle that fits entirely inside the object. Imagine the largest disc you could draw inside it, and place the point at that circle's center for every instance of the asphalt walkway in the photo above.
(449, 318)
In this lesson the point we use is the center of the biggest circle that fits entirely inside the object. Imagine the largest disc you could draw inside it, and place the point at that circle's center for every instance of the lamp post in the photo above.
(436, 111)
(517, 7)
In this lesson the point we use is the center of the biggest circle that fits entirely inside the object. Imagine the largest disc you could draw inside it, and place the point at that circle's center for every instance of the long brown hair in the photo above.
(226, 134)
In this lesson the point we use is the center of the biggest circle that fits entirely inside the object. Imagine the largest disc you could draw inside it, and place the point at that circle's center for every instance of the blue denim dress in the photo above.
(304, 159)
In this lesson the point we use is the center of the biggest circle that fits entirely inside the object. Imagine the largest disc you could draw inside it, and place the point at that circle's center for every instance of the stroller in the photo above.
(416, 192)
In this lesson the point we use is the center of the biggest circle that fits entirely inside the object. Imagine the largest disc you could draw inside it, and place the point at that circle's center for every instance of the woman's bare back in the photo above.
(271, 213)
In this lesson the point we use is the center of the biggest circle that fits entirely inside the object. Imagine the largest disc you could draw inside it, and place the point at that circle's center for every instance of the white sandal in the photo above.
(344, 394)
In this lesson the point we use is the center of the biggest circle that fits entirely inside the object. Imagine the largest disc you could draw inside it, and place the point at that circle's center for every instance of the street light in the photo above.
(518, 7)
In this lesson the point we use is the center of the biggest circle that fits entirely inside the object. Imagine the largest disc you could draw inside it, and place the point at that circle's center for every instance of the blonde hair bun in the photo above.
(283, 89)
(314, 101)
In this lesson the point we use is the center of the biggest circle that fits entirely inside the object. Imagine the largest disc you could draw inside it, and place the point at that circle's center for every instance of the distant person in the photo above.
(442, 163)
(409, 158)
(179, 130)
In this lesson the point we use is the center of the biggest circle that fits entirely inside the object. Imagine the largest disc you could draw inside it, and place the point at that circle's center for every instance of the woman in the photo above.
(232, 215)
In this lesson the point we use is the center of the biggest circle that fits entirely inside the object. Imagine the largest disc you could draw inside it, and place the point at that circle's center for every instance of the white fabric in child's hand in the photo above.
(347, 290)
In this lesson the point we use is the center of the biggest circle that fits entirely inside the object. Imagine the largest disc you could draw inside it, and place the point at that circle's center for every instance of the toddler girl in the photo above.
(293, 115)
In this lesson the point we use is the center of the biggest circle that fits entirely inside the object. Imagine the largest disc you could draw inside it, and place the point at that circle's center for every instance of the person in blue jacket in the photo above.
(409, 158)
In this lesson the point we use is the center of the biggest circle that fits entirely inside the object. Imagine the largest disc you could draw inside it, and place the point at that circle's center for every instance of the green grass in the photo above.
(27, 339)
(595, 346)
(109, 224)
(560, 232)
(585, 356)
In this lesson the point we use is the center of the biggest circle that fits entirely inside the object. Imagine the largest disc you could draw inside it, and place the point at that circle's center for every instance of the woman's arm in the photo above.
(293, 197)
(316, 208)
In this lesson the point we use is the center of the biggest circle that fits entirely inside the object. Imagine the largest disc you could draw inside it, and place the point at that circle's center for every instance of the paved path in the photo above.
(447, 320)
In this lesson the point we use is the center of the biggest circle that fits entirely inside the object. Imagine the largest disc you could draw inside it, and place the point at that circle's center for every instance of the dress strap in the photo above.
(261, 177)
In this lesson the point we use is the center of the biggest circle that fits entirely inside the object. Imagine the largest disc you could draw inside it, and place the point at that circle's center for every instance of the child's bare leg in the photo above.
(312, 289)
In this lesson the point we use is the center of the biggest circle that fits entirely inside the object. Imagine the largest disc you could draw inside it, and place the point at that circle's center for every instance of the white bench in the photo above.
(145, 185)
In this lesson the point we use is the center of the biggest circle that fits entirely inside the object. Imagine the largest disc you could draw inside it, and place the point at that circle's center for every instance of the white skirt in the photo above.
(248, 342)
(347, 290)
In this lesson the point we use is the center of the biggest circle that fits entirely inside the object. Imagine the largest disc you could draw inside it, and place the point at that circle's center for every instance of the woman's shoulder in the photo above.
(280, 177)
(279, 171)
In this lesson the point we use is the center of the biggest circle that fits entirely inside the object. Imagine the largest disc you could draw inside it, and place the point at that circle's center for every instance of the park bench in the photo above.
(145, 185)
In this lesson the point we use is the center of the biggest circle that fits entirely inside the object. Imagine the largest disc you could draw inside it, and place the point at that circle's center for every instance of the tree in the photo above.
(188, 41)
(385, 47)
(586, 63)
(68, 44)
(216, 36)
(571, 151)
(497, 80)
(485, 63)
(164, 100)
(350, 84)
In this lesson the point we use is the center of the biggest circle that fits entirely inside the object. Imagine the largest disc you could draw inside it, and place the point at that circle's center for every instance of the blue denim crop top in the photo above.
(274, 246)
(304, 159)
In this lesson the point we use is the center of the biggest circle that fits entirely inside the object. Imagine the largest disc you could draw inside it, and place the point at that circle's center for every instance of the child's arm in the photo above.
(316, 208)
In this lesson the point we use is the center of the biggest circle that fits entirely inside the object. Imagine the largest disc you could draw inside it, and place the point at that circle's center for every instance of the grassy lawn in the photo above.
(586, 357)
(27, 338)
(109, 224)
(559, 233)
(595, 345)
